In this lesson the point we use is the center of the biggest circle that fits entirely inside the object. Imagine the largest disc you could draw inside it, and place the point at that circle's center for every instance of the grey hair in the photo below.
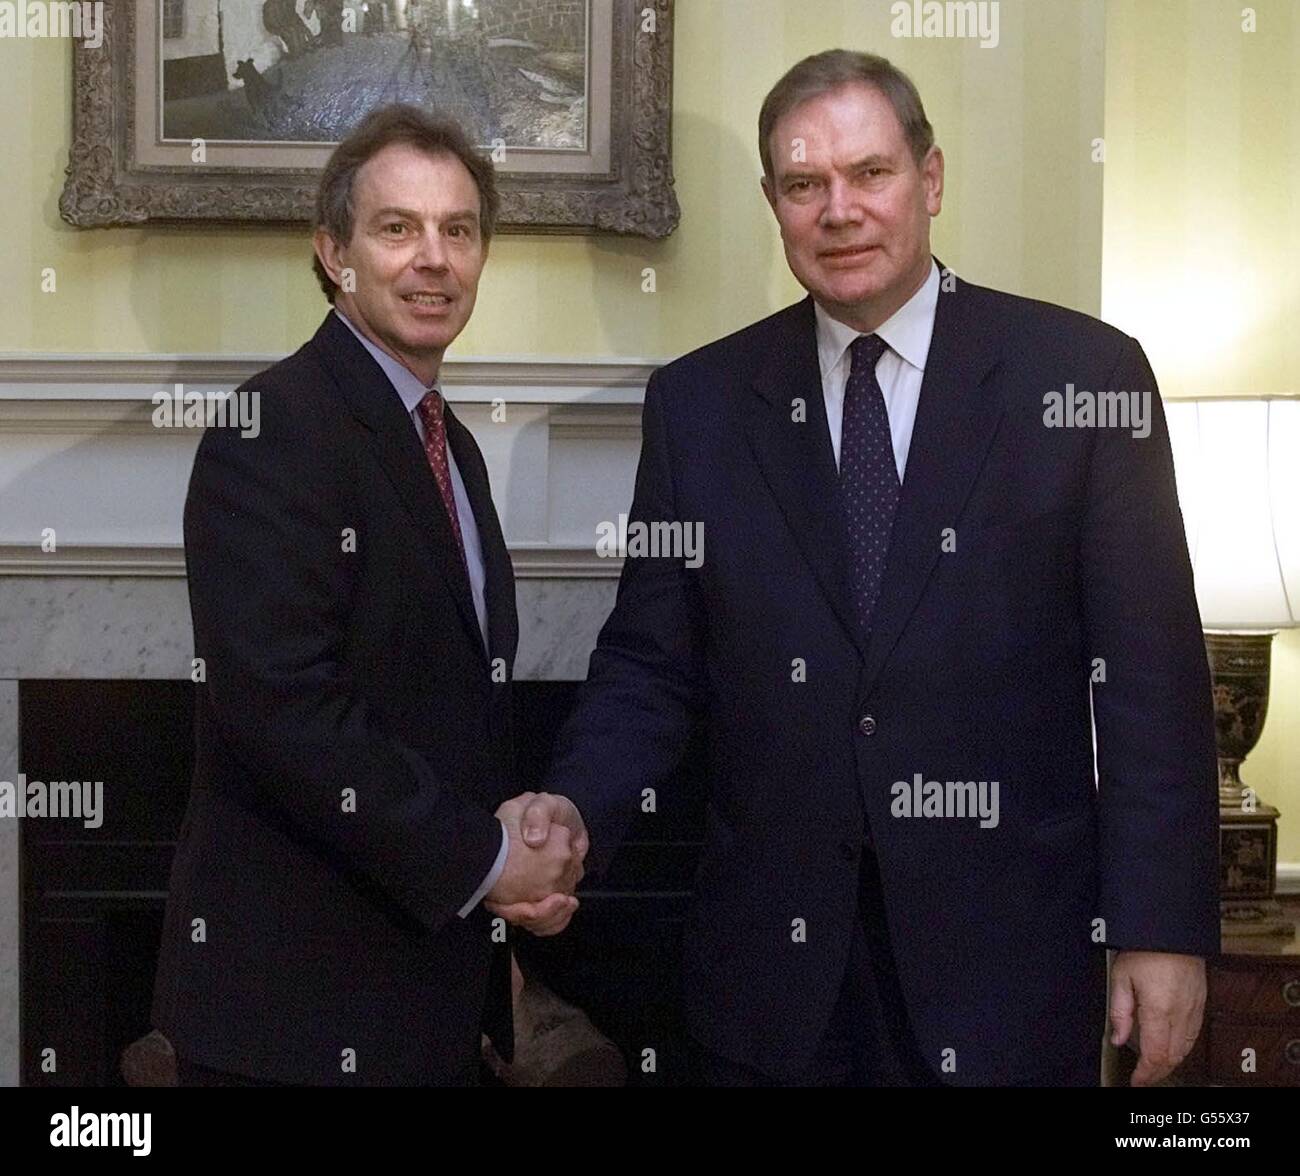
(824, 72)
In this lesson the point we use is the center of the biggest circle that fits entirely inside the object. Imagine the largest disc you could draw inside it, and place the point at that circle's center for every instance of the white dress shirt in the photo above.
(900, 370)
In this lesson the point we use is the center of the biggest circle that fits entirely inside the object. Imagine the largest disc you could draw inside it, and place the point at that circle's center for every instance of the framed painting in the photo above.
(226, 110)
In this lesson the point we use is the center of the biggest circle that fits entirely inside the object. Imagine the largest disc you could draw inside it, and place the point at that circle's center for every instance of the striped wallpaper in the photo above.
(1023, 205)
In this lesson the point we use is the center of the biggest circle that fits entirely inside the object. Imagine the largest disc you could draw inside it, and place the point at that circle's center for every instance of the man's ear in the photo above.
(327, 249)
(768, 193)
(932, 171)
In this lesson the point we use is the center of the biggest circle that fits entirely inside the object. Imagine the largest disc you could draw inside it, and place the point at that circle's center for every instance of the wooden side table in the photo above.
(1253, 1003)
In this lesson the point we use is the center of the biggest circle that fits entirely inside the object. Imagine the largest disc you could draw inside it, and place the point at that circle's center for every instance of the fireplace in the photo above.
(94, 883)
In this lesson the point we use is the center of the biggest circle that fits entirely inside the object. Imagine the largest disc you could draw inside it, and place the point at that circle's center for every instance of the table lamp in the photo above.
(1237, 462)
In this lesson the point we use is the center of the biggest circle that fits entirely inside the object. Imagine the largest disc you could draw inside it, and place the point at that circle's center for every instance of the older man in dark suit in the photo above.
(934, 557)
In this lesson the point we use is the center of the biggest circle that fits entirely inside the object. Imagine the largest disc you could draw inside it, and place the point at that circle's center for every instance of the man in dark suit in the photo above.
(355, 629)
(921, 583)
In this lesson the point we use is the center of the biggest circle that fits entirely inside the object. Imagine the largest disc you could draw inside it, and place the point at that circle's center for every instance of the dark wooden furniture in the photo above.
(1253, 1003)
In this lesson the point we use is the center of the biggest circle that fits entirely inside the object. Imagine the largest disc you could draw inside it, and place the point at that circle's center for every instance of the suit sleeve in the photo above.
(1153, 714)
(270, 594)
(636, 710)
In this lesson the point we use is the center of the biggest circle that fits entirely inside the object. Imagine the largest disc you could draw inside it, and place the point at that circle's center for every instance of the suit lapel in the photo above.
(396, 445)
(499, 589)
(794, 452)
(956, 418)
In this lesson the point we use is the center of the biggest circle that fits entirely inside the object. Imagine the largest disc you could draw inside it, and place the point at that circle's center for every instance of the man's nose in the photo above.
(842, 204)
(432, 253)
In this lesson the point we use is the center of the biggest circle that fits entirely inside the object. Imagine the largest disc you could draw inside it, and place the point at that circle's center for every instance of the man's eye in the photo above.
(799, 185)
(394, 228)
(457, 230)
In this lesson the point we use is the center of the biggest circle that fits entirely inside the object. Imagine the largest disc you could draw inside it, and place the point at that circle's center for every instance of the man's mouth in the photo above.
(427, 299)
(847, 251)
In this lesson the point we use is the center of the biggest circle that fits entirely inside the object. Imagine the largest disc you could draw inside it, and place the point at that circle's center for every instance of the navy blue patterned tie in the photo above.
(869, 485)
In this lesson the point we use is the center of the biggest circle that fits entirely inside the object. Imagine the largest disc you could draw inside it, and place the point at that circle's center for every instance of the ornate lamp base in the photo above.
(1248, 873)
(1239, 667)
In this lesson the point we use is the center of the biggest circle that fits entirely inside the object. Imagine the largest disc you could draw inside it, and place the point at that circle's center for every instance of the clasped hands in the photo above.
(547, 842)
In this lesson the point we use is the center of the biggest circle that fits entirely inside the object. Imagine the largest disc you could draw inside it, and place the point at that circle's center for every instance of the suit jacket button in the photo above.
(848, 851)
(867, 725)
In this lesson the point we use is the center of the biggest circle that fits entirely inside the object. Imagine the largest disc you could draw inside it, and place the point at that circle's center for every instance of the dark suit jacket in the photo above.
(1069, 547)
(338, 670)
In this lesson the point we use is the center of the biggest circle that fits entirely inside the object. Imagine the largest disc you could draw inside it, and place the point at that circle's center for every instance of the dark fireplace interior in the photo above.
(92, 899)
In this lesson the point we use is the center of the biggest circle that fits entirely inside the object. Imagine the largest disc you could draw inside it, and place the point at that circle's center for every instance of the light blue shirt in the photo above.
(411, 391)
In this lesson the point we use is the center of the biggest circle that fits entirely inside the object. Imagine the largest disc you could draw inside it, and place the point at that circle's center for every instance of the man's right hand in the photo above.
(547, 842)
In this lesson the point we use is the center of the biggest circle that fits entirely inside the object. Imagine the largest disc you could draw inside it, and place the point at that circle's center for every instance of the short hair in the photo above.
(824, 72)
(384, 127)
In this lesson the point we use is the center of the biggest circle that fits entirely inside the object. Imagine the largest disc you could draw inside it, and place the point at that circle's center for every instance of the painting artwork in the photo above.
(227, 109)
(512, 72)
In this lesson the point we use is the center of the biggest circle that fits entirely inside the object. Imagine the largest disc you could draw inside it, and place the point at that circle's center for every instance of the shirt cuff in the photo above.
(498, 868)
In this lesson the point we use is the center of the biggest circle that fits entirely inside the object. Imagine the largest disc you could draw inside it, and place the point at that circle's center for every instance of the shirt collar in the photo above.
(405, 381)
(907, 330)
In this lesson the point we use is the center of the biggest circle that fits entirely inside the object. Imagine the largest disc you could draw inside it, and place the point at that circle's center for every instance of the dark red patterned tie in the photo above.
(435, 448)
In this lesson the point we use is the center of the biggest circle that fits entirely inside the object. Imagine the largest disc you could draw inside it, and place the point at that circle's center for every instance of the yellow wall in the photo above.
(1202, 236)
(1023, 208)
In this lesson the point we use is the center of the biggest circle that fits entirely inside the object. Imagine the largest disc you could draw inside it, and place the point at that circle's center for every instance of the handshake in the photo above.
(547, 844)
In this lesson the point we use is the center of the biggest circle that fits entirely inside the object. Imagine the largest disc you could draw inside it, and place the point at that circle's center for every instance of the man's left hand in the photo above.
(1166, 991)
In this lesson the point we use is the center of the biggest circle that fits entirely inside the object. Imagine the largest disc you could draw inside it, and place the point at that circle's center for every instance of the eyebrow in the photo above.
(800, 171)
(470, 214)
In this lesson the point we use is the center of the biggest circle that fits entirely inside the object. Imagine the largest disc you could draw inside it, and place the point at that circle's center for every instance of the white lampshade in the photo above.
(1238, 467)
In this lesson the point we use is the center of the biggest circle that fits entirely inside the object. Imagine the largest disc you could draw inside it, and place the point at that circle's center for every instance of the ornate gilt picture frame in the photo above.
(225, 110)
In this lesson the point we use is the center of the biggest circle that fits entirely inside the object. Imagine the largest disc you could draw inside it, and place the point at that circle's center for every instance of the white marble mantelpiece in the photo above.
(85, 470)
(129, 627)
